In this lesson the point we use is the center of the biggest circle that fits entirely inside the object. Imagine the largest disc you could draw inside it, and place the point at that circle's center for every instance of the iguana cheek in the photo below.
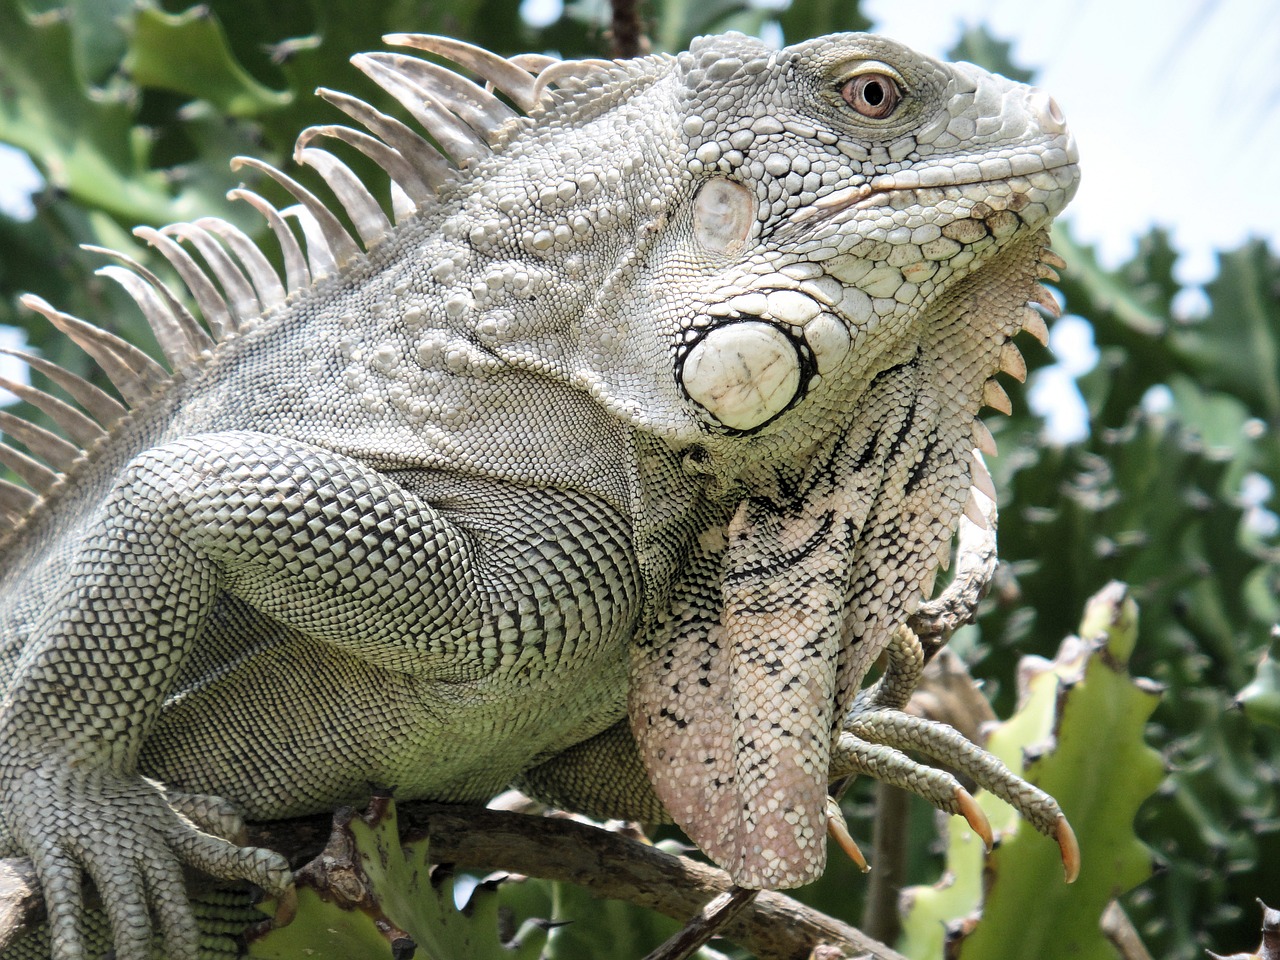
(743, 373)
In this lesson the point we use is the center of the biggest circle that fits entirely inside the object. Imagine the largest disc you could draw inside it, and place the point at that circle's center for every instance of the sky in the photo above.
(1175, 105)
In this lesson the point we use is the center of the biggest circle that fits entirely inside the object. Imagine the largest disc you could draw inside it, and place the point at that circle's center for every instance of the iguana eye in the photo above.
(874, 95)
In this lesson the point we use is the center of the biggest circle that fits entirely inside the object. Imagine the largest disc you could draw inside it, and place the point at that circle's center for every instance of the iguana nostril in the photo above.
(1048, 113)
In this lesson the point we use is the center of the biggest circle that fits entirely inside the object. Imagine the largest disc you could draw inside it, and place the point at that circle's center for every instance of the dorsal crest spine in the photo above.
(465, 121)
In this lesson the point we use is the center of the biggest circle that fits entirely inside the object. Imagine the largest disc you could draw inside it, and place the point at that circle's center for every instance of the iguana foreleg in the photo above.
(315, 540)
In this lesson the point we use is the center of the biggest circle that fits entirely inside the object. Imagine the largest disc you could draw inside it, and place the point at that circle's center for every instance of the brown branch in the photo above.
(1119, 929)
(697, 933)
(21, 906)
(772, 926)
(628, 30)
(889, 858)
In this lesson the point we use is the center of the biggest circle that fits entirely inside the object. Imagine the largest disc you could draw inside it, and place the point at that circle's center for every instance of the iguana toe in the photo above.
(838, 830)
(886, 729)
(122, 832)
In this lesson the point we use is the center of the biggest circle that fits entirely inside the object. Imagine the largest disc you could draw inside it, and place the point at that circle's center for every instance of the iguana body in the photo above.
(661, 409)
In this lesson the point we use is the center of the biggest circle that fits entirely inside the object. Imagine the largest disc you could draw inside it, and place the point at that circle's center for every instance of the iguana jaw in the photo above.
(881, 191)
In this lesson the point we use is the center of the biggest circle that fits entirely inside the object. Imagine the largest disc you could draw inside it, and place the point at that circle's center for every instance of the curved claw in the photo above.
(839, 832)
(978, 821)
(1069, 847)
(286, 907)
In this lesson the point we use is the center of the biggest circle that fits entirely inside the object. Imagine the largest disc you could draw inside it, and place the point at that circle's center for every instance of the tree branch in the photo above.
(880, 913)
(628, 30)
(21, 905)
(699, 931)
(772, 925)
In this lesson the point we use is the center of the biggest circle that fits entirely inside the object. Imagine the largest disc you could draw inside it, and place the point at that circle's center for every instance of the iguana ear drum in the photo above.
(744, 373)
(723, 212)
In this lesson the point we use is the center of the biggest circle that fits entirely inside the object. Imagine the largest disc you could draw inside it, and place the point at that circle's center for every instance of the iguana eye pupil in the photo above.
(873, 95)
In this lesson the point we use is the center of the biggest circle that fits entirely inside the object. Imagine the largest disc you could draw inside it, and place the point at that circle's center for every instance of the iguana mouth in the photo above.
(867, 195)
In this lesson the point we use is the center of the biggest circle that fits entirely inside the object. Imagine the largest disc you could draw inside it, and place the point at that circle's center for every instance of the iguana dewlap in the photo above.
(607, 460)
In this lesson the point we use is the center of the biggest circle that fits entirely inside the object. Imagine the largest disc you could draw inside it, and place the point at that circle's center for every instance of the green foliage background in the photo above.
(132, 108)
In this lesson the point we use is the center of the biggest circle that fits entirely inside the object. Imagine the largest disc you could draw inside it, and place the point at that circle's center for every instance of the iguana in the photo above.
(607, 465)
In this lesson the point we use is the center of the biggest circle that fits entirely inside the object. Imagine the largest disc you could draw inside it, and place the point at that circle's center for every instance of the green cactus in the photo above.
(1260, 699)
(370, 897)
(1078, 734)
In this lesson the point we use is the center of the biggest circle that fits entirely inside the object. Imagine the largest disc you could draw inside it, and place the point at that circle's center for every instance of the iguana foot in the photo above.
(121, 831)
(876, 732)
